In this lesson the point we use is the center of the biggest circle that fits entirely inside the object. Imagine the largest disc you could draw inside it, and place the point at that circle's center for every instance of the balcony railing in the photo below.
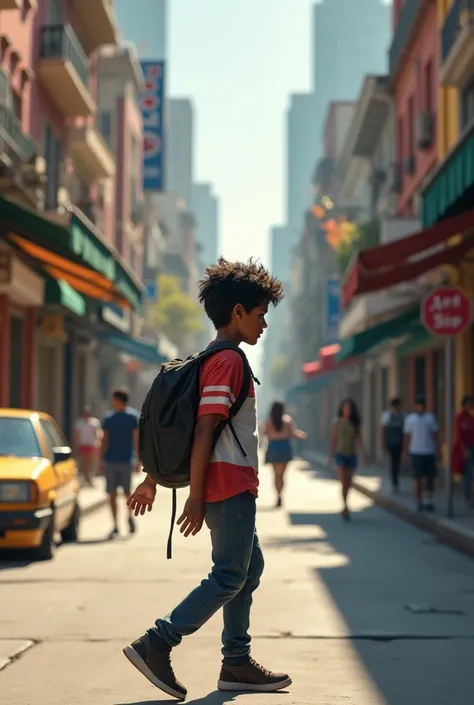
(459, 16)
(12, 133)
(407, 18)
(58, 42)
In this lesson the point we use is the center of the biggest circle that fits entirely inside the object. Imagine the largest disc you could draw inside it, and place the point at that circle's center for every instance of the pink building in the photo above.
(59, 263)
(120, 82)
(414, 58)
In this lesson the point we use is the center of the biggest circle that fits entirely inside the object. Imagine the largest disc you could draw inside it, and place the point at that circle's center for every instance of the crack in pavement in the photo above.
(375, 637)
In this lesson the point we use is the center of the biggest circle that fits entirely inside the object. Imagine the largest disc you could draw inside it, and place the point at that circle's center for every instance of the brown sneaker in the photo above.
(251, 677)
(156, 666)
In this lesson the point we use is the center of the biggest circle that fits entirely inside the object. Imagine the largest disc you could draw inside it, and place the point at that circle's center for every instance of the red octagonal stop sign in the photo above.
(446, 311)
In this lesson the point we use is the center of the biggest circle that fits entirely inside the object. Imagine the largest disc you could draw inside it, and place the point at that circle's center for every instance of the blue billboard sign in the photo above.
(152, 105)
(333, 310)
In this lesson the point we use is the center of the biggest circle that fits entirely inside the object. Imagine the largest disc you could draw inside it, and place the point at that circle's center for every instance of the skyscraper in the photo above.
(180, 148)
(350, 39)
(205, 205)
(301, 140)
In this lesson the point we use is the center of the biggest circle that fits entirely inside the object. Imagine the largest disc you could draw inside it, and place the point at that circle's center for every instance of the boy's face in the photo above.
(250, 326)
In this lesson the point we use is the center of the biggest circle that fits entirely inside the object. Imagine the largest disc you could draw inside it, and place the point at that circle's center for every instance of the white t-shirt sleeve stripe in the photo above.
(217, 388)
(223, 401)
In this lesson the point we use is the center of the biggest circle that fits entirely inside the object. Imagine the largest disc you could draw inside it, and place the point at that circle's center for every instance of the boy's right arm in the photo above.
(192, 518)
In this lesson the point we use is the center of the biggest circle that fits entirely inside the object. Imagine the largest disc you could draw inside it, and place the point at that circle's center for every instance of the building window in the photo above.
(420, 376)
(105, 126)
(429, 103)
(16, 362)
(52, 154)
(467, 104)
(411, 127)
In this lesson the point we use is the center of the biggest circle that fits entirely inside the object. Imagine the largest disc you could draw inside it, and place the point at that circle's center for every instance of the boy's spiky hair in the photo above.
(227, 284)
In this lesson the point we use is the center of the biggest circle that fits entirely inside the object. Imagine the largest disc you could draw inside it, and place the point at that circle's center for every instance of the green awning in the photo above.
(68, 249)
(450, 191)
(360, 343)
(418, 338)
(58, 292)
(312, 386)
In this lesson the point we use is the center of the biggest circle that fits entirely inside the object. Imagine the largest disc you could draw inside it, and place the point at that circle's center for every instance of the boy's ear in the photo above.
(239, 310)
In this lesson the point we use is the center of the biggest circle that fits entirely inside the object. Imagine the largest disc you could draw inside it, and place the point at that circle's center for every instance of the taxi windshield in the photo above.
(18, 438)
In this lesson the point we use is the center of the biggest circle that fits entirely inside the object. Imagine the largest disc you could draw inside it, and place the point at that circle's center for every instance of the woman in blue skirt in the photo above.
(280, 430)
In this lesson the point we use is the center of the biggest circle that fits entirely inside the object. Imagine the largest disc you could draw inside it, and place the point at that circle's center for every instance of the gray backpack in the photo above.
(168, 417)
(394, 430)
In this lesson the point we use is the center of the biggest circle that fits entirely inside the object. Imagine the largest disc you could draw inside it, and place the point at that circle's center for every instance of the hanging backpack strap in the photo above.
(173, 519)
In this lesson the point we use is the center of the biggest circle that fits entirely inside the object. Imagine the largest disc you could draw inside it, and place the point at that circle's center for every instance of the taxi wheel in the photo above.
(46, 549)
(71, 533)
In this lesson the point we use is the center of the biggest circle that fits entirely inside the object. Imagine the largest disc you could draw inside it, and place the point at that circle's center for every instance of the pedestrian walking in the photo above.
(346, 441)
(223, 491)
(87, 434)
(421, 442)
(280, 430)
(120, 453)
(464, 436)
(392, 424)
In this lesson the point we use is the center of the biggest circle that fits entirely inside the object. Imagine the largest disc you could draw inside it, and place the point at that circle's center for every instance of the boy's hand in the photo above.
(142, 499)
(192, 517)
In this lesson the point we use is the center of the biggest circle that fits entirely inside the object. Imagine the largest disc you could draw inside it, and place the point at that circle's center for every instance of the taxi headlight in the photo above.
(15, 491)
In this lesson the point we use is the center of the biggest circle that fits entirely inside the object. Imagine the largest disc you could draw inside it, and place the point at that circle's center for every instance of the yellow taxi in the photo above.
(39, 484)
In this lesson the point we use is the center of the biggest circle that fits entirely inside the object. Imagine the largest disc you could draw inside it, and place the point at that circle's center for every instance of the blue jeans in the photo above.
(237, 567)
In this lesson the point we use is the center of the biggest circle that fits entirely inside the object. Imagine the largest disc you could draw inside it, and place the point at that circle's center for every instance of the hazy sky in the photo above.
(239, 60)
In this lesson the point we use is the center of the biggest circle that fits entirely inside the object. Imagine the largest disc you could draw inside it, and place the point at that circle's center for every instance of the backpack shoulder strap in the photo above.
(213, 349)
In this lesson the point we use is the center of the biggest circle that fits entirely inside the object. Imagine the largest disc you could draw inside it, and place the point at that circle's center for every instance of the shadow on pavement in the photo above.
(410, 658)
(217, 697)
(14, 560)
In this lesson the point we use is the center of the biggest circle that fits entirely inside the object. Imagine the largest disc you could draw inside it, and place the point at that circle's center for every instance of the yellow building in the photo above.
(451, 188)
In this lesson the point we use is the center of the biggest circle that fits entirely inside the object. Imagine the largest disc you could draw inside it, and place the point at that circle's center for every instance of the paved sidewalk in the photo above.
(374, 482)
(91, 499)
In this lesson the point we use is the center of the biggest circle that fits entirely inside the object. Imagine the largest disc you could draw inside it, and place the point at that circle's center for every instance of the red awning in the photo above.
(311, 369)
(387, 265)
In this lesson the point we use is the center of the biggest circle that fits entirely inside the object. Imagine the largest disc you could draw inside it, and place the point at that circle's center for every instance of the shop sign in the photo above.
(52, 326)
(333, 310)
(152, 107)
(446, 312)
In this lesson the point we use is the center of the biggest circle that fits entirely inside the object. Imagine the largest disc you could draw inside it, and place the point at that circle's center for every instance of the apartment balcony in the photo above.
(408, 19)
(63, 69)
(457, 44)
(16, 148)
(95, 23)
(91, 156)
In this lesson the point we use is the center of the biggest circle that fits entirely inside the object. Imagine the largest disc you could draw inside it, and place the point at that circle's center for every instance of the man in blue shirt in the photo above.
(119, 450)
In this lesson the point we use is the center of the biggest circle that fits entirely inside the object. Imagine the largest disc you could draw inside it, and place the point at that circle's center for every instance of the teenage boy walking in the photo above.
(223, 492)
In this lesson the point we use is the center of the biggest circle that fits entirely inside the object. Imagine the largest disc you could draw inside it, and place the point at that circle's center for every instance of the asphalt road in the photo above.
(374, 612)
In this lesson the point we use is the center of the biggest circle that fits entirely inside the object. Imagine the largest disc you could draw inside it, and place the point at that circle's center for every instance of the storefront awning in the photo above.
(311, 369)
(362, 342)
(406, 259)
(312, 386)
(141, 348)
(60, 293)
(451, 188)
(70, 249)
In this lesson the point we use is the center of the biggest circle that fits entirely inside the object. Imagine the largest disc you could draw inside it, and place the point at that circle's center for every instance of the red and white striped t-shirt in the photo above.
(229, 472)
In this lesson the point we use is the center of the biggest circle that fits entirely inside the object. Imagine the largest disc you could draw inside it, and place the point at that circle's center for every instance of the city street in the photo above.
(374, 612)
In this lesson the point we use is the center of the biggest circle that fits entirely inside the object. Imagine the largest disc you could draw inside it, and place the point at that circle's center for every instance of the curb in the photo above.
(94, 506)
(445, 530)
(18, 650)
